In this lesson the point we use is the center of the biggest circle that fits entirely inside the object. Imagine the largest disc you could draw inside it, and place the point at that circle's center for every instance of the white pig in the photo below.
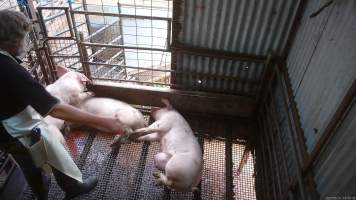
(69, 85)
(128, 115)
(180, 157)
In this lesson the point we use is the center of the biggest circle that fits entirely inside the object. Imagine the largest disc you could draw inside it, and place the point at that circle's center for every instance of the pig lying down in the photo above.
(180, 157)
(128, 115)
(66, 89)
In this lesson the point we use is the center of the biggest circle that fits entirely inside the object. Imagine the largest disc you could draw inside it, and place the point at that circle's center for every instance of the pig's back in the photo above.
(114, 108)
(180, 137)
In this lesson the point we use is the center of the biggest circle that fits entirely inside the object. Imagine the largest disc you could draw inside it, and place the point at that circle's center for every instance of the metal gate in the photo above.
(108, 42)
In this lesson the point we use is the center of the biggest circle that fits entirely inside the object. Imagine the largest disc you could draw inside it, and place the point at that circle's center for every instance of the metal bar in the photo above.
(122, 46)
(85, 7)
(269, 156)
(293, 139)
(102, 49)
(273, 115)
(119, 15)
(298, 126)
(111, 70)
(197, 194)
(168, 34)
(50, 63)
(228, 163)
(98, 31)
(218, 53)
(52, 8)
(176, 29)
(266, 74)
(58, 38)
(54, 16)
(55, 52)
(271, 146)
(41, 22)
(194, 74)
(130, 67)
(42, 66)
(102, 66)
(229, 105)
(147, 7)
(77, 38)
(85, 57)
(121, 33)
(131, 81)
(266, 179)
(63, 56)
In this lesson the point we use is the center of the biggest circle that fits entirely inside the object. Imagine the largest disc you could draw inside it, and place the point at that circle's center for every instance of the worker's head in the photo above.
(13, 28)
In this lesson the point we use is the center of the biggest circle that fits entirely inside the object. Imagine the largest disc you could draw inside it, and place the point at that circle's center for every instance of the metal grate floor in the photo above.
(127, 172)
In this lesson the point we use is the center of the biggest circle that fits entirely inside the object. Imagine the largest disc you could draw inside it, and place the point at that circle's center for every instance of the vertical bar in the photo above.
(69, 22)
(269, 139)
(299, 129)
(77, 39)
(169, 22)
(228, 163)
(267, 71)
(264, 161)
(50, 63)
(85, 57)
(43, 68)
(269, 157)
(84, 3)
(272, 111)
(122, 37)
(42, 23)
(294, 145)
(197, 194)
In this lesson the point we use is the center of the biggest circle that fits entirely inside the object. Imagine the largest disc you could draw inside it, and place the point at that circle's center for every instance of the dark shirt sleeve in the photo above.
(28, 91)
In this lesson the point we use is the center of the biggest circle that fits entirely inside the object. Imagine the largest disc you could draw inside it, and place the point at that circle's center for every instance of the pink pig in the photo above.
(180, 157)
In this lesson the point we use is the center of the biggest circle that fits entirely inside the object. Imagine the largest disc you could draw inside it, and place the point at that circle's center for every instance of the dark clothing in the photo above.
(34, 176)
(18, 90)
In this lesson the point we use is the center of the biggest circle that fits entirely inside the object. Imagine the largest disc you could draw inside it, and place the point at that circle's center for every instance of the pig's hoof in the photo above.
(125, 140)
(156, 174)
(158, 182)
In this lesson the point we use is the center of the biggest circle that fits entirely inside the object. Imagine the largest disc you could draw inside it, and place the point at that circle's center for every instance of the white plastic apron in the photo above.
(48, 150)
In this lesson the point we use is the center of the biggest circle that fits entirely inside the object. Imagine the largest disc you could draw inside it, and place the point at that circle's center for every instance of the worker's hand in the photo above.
(111, 125)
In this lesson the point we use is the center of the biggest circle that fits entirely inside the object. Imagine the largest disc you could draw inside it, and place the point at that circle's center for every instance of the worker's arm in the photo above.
(72, 114)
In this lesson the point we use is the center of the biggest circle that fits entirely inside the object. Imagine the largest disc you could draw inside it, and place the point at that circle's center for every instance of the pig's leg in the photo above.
(150, 137)
(161, 160)
(162, 179)
(154, 127)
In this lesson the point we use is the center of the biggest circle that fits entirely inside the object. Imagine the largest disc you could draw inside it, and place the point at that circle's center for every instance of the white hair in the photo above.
(14, 26)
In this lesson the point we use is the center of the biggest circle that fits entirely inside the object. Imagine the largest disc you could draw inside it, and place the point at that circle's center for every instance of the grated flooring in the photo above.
(126, 173)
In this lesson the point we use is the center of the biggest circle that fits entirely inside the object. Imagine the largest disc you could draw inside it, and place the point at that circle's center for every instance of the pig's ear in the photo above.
(60, 70)
(167, 103)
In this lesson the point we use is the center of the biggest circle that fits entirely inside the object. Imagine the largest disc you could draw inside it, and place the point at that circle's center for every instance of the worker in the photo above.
(23, 104)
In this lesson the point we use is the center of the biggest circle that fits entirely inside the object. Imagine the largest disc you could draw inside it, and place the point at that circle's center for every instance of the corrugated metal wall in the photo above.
(241, 26)
(335, 172)
(279, 153)
(322, 63)
(322, 68)
(244, 26)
